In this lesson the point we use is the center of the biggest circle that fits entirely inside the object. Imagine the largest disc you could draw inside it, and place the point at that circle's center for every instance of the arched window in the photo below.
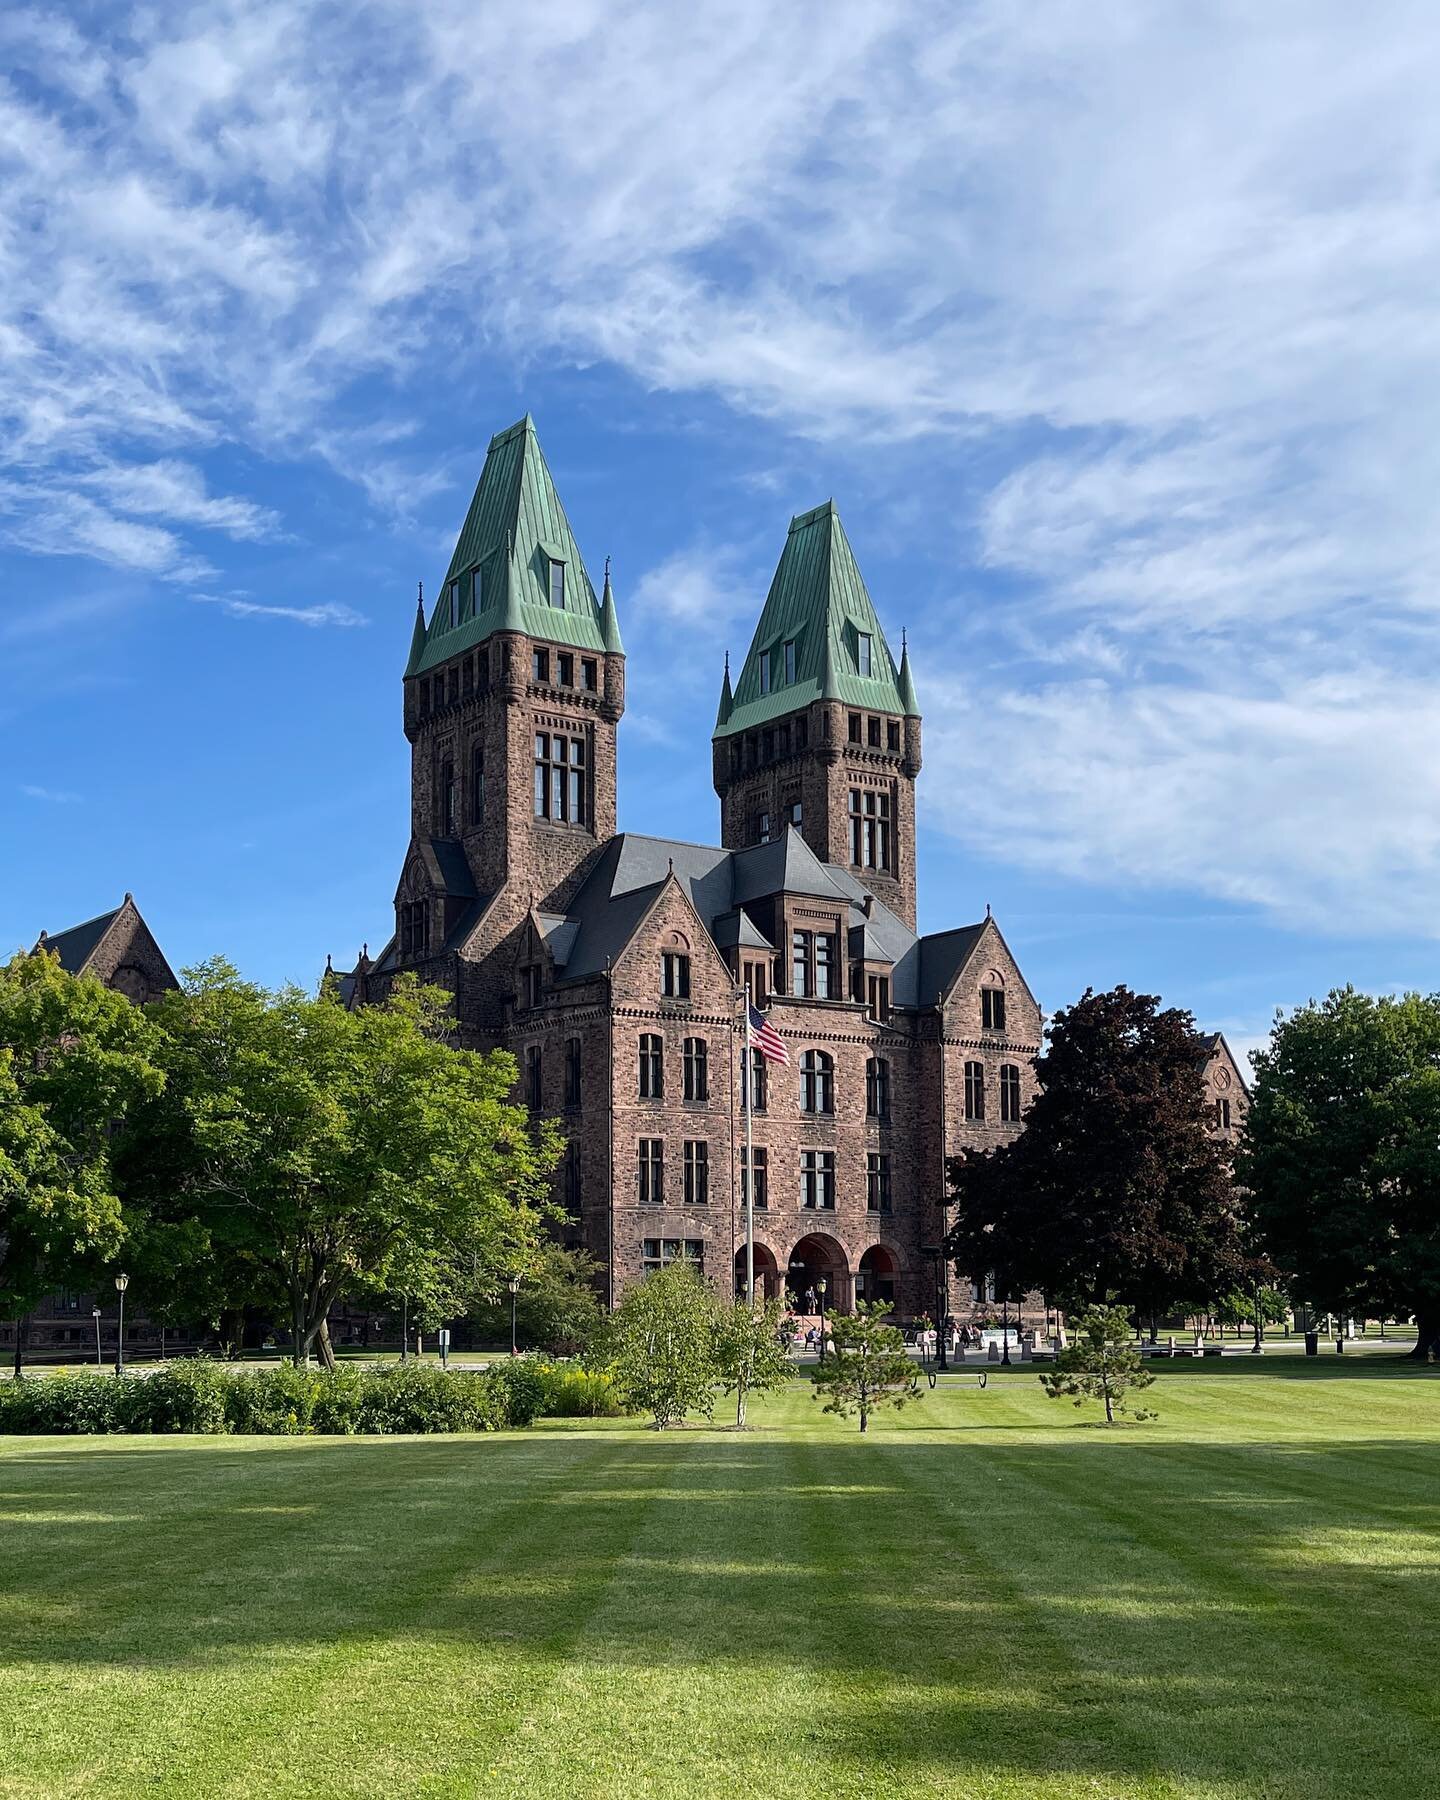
(974, 1090)
(1009, 1093)
(652, 1066)
(817, 1082)
(877, 1088)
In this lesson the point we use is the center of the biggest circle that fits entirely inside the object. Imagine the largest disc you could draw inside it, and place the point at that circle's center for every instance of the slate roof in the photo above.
(76, 946)
(619, 891)
(817, 600)
(515, 527)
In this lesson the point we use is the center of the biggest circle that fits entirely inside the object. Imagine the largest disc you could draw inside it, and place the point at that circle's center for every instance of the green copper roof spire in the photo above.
(417, 637)
(907, 682)
(516, 565)
(727, 698)
(609, 618)
(819, 637)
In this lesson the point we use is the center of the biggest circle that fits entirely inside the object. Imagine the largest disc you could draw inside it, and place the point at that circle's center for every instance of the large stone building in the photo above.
(611, 965)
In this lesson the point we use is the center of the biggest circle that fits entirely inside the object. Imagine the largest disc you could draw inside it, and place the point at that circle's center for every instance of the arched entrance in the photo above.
(767, 1273)
(877, 1276)
(813, 1258)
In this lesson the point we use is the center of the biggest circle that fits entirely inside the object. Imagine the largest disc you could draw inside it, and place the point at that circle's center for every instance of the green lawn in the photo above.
(986, 1598)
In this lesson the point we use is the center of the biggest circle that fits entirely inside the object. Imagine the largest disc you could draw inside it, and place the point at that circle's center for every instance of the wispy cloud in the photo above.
(51, 796)
(323, 612)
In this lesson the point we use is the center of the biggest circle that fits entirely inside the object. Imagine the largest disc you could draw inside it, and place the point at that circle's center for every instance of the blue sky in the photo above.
(1111, 330)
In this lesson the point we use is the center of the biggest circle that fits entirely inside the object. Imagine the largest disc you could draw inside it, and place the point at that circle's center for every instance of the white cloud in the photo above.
(698, 588)
(323, 612)
(51, 796)
(1169, 272)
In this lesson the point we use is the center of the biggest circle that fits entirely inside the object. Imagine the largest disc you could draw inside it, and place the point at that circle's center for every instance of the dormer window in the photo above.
(790, 662)
(862, 652)
(557, 582)
(764, 671)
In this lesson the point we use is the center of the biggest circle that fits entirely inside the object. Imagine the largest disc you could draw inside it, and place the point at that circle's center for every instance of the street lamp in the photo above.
(95, 1315)
(121, 1283)
(1257, 1348)
(514, 1286)
(1005, 1334)
(820, 1292)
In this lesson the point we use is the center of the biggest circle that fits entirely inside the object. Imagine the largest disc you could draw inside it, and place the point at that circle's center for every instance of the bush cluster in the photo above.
(196, 1395)
(573, 1392)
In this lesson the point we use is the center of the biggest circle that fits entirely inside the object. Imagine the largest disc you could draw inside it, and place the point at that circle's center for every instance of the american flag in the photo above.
(766, 1039)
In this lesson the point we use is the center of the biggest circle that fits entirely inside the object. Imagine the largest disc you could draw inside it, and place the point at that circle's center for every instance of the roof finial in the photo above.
(365, 951)
(44, 937)
(329, 965)
(727, 663)
(904, 646)
(987, 909)
(672, 865)
(420, 595)
(607, 568)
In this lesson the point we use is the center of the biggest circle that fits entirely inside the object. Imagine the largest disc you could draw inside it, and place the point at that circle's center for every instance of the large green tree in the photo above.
(317, 1150)
(75, 1061)
(557, 1308)
(1342, 1155)
(1115, 1189)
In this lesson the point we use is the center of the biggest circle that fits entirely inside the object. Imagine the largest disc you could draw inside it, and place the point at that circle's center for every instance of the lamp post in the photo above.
(1005, 1333)
(1257, 1347)
(95, 1315)
(514, 1286)
(942, 1308)
(820, 1293)
(121, 1283)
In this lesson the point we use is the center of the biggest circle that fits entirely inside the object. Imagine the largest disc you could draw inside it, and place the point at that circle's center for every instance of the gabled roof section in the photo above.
(817, 600)
(79, 943)
(515, 528)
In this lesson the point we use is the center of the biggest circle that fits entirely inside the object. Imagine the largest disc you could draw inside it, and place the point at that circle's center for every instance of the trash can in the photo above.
(1312, 1343)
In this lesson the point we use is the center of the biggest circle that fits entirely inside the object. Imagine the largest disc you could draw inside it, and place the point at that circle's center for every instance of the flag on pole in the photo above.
(766, 1039)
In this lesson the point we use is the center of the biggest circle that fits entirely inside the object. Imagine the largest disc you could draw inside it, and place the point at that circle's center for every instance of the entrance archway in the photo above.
(876, 1278)
(812, 1258)
(767, 1273)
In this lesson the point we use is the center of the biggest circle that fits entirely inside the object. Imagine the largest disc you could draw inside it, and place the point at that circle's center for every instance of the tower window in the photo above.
(874, 729)
(862, 652)
(974, 1090)
(469, 674)
(992, 1009)
(762, 828)
(817, 1082)
(1009, 1093)
(534, 1076)
(477, 784)
(445, 818)
(572, 1071)
(565, 668)
(855, 733)
(800, 964)
(557, 583)
(650, 1171)
(697, 1172)
(877, 997)
(789, 661)
(560, 778)
(759, 1158)
(589, 674)
(877, 1088)
(802, 732)
(877, 1181)
(795, 813)
(652, 1066)
(817, 1180)
(892, 734)
(675, 975)
(870, 836)
(453, 682)
(540, 665)
(764, 671)
(825, 972)
(697, 1069)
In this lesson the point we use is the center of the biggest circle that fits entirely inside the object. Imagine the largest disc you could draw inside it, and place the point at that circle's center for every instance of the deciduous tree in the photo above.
(1342, 1155)
(749, 1355)
(1115, 1188)
(557, 1309)
(659, 1345)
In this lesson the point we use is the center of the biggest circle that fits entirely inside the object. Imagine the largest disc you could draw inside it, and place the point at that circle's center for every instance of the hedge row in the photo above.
(196, 1395)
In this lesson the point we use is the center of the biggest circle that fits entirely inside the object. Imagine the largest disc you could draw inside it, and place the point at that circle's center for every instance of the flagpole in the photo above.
(749, 1163)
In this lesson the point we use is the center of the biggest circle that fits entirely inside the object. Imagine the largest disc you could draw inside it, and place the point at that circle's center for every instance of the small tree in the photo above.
(750, 1355)
(867, 1366)
(1101, 1364)
(557, 1308)
(659, 1345)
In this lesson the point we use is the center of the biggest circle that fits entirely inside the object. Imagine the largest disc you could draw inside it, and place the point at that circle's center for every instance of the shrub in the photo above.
(572, 1392)
(182, 1396)
(71, 1401)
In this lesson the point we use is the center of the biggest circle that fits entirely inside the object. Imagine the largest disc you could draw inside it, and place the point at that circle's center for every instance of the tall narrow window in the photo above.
(892, 735)
(755, 982)
(817, 1082)
(795, 813)
(854, 730)
(1009, 1093)
(454, 684)
(565, 668)
(789, 662)
(530, 985)
(557, 583)
(589, 674)
(1222, 1114)
(675, 975)
(760, 1158)
(652, 1066)
(697, 1069)
(650, 1171)
(877, 997)
(445, 799)
(974, 1090)
(877, 1088)
(862, 652)
(764, 671)
(572, 1071)
(757, 1081)
(573, 1197)
(992, 1009)
(817, 1180)
(560, 792)
(826, 976)
(534, 1076)
(870, 837)
(877, 1181)
(540, 665)
(697, 1172)
(477, 784)
(801, 944)
(762, 828)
